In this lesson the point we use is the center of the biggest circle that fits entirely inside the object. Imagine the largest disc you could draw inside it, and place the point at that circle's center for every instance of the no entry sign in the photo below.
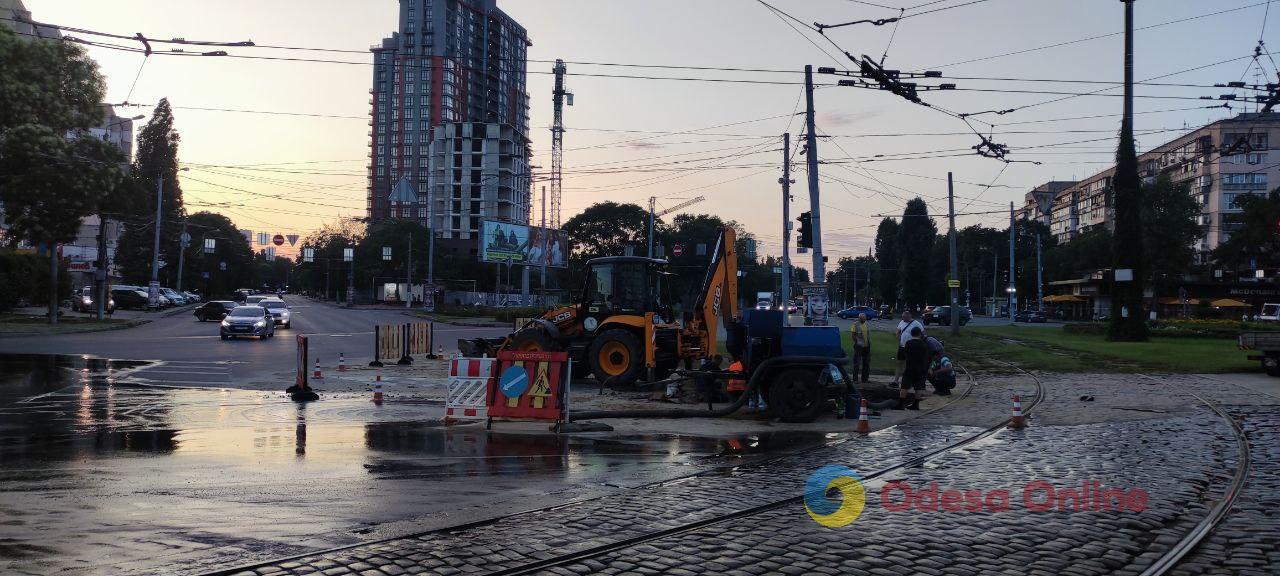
(677, 249)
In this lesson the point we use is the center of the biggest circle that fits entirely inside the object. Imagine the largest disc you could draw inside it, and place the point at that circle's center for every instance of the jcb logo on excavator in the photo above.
(561, 317)
(715, 302)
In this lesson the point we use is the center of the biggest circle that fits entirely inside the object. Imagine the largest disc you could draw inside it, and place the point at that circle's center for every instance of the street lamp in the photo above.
(1012, 292)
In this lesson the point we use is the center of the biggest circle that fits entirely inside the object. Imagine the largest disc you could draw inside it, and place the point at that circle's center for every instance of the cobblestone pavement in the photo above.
(1139, 433)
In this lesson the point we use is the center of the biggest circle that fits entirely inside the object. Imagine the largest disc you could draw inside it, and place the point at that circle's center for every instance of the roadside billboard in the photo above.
(519, 244)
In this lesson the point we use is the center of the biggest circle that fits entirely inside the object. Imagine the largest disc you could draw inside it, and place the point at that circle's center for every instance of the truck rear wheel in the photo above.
(796, 395)
(1271, 365)
(616, 354)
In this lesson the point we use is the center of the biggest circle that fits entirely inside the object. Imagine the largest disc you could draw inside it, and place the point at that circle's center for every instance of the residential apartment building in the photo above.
(476, 171)
(1038, 204)
(1195, 159)
(449, 87)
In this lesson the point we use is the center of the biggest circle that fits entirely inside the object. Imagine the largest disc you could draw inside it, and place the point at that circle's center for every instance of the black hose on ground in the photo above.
(752, 385)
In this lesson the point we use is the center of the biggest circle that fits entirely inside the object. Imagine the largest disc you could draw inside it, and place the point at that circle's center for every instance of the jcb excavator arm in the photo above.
(719, 295)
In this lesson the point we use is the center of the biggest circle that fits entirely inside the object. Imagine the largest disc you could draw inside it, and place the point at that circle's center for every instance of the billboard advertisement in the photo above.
(520, 244)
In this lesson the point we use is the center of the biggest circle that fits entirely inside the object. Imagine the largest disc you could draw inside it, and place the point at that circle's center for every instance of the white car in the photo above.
(1270, 313)
(279, 311)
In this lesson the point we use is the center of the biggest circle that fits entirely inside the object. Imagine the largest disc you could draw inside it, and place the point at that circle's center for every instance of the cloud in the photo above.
(645, 145)
(830, 118)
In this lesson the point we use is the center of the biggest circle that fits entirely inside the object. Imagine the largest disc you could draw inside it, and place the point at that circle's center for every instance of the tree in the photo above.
(1255, 244)
(887, 261)
(53, 172)
(604, 228)
(230, 246)
(327, 273)
(155, 163)
(1169, 229)
(395, 234)
(915, 246)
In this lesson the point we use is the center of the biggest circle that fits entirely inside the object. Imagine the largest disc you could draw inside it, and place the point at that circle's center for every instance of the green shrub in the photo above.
(510, 314)
(25, 277)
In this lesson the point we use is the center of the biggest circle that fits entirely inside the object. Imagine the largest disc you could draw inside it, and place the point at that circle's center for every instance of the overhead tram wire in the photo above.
(1090, 38)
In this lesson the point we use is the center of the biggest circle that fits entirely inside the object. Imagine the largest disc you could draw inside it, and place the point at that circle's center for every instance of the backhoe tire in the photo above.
(796, 396)
(533, 340)
(616, 354)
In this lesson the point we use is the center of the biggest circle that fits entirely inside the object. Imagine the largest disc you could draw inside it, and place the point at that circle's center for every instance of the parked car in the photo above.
(129, 299)
(1030, 316)
(84, 301)
(941, 315)
(279, 311)
(854, 311)
(884, 312)
(248, 321)
(175, 297)
(192, 296)
(214, 310)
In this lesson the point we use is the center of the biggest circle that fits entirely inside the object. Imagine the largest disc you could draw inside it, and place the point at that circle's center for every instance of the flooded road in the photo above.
(102, 475)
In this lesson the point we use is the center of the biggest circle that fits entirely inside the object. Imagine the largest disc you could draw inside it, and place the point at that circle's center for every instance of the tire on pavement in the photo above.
(616, 354)
(533, 339)
(796, 396)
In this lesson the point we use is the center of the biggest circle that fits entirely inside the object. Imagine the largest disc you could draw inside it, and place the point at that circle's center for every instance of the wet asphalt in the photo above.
(103, 475)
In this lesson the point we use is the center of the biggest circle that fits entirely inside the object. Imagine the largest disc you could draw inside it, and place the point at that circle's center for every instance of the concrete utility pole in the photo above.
(1039, 278)
(785, 293)
(152, 291)
(542, 284)
(653, 200)
(183, 240)
(811, 139)
(408, 276)
(100, 275)
(954, 281)
(1013, 283)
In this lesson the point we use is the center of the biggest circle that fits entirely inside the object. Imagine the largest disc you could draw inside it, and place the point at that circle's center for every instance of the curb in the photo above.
(454, 323)
(178, 310)
(108, 328)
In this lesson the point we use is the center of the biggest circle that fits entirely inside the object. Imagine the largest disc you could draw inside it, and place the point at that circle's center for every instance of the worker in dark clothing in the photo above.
(915, 370)
(708, 389)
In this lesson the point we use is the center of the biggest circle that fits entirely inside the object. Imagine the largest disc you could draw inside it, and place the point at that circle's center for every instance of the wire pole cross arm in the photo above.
(881, 22)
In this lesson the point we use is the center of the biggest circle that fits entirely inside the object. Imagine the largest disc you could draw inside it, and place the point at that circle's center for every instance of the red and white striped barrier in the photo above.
(468, 385)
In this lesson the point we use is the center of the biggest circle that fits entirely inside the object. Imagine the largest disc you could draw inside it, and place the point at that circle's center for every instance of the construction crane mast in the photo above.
(653, 201)
(559, 95)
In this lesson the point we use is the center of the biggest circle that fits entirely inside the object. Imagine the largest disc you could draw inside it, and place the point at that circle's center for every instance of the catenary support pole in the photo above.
(182, 254)
(155, 247)
(953, 281)
(784, 295)
(1039, 278)
(100, 275)
(1013, 282)
(815, 204)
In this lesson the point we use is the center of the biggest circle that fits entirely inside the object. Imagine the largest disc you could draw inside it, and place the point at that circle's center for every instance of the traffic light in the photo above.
(806, 232)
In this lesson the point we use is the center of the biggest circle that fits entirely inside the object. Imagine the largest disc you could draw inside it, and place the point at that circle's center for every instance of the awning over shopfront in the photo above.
(1228, 303)
(1060, 298)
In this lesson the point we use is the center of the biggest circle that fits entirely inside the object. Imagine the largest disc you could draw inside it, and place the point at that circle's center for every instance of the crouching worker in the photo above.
(942, 374)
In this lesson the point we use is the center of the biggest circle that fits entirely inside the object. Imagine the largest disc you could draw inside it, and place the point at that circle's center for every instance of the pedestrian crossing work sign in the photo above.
(530, 386)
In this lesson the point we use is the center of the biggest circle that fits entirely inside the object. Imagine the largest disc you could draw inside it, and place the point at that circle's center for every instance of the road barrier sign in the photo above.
(529, 386)
(468, 383)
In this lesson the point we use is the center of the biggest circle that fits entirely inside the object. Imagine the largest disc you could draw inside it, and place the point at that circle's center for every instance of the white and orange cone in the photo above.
(317, 374)
(864, 426)
(377, 389)
(1017, 422)
(342, 363)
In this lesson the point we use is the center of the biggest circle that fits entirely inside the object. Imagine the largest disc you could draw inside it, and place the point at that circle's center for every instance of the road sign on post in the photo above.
(210, 244)
(308, 254)
(386, 253)
(346, 254)
(278, 240)
(186, 239)
(677, 250)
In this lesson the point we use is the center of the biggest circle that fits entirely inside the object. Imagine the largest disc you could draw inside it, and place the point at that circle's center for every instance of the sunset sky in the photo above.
(620, 127)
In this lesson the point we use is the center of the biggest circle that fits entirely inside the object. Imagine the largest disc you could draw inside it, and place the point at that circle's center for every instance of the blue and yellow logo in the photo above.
(832, 510)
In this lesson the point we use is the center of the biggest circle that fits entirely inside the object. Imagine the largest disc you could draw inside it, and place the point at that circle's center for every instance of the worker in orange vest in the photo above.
(736, 385)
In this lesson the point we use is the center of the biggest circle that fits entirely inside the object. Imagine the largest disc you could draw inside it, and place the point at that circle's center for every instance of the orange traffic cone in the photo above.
(864, 426)
(317, 375)
(1017, 422)
(377, 389)
(342, 363)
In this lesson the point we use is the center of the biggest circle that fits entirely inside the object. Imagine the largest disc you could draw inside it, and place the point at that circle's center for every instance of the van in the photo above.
(1270, 313)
